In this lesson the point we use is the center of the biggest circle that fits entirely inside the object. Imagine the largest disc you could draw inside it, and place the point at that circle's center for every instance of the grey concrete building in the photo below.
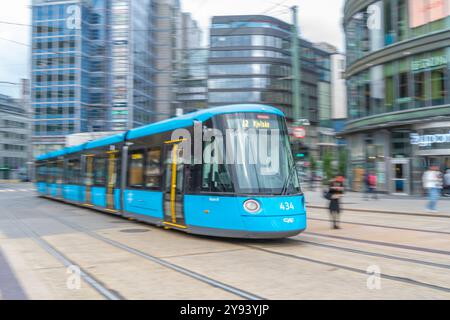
(14, 135)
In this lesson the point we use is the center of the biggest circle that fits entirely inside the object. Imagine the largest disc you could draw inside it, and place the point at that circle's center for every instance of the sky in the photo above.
(316, 25)
(319, 20)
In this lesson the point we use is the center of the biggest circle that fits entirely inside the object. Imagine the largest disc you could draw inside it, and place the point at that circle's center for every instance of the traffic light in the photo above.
(301, 152)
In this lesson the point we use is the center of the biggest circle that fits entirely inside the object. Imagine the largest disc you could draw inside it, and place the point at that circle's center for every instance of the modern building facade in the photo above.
(250, 62)
(101, 65)
(192, 79)
(192, 84)
(398, 54)
(14, 135)
(167, 56)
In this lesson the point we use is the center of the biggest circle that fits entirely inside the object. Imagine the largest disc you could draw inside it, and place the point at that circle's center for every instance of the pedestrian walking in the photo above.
(372, 185)
(334, 194)
(366, 185)
(432, 183)
(447, 183)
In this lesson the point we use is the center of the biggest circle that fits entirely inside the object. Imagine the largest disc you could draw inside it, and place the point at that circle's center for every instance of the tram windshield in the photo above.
(252, 156)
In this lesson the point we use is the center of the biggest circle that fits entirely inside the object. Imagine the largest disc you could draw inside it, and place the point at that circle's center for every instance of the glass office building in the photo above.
(91, 68)
(14, 135)
(398, 54)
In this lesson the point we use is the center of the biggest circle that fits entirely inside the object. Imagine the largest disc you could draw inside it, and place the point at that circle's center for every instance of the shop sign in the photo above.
(428, 63)
(429, 139)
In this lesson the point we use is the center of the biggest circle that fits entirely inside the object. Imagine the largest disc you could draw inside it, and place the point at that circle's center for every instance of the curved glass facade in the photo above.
(414, 82)
(387, 22)
(406, 80)
(398, 90)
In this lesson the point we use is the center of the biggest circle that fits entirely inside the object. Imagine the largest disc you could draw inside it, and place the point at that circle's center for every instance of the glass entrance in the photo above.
(400, 176)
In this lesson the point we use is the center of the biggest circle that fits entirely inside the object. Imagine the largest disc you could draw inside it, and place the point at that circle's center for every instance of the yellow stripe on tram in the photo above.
(174, 141)
(175, 225)
(111, 210)
(174, 183)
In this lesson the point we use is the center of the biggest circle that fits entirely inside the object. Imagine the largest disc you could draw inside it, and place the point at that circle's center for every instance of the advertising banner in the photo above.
(422, 12)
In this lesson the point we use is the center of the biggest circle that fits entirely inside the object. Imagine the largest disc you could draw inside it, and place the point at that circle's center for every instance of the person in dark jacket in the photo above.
(335, 192)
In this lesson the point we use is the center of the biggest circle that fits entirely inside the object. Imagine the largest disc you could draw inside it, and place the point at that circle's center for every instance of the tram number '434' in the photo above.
(287, 206)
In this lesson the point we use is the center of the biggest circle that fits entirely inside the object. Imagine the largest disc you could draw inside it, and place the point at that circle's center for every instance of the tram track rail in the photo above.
(187, 272)
(372, 254)
(383, 226)
(97, 285)
(340, 266)
(381, 243)
(251, 296)
(383, 212)
(352, 269)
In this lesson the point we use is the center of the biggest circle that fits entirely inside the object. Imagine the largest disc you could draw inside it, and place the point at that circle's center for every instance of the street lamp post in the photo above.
(296, 66)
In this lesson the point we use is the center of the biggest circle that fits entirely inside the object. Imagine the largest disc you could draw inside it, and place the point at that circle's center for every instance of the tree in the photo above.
(342, 165)
(328, 166)
(313, 163)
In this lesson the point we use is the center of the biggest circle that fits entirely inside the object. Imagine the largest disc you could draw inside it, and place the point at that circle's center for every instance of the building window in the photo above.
(438, 86)
(419, 89)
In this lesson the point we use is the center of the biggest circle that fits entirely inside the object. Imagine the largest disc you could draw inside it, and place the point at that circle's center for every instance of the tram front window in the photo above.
(256, 157)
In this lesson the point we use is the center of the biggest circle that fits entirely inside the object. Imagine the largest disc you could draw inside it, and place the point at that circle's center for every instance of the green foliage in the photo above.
(342, 164)
(313, 163)
(328, 166)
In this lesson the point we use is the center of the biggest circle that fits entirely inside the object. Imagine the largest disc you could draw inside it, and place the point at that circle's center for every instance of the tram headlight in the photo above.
(252, 206)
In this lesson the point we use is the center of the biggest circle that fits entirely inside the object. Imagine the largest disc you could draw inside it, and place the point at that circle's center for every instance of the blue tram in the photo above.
(150, 174)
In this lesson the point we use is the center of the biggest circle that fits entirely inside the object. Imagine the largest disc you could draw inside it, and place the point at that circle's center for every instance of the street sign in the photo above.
(299, 132)
(302, 122)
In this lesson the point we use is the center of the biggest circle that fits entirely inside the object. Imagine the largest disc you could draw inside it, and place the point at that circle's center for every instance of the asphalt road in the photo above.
(51, 250)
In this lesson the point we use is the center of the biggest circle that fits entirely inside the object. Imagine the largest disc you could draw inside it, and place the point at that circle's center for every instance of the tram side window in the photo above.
(41, 173)
(136, 170)
(50, 172)
(73, 172)
(100, 172)
(59, 168)
(153, 168)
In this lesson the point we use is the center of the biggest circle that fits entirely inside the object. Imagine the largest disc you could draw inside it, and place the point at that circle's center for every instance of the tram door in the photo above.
(111, 179)
(173, 185)
(89, 179)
